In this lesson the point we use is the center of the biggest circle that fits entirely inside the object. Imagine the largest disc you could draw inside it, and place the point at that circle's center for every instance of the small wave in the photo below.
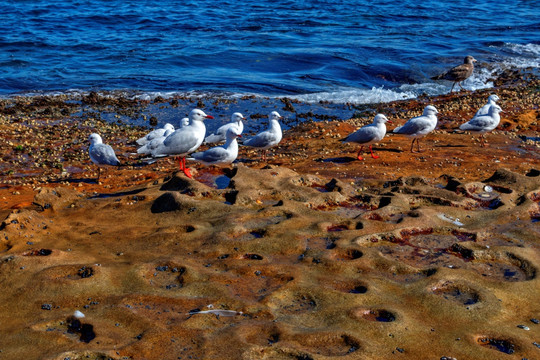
(518, 56)
(356, 96)
(525, 49)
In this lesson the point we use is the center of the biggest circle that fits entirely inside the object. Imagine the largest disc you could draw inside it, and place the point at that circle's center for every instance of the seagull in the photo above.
(419, 126)
(154, 134)
(184, 140)
(458, 73)
(369, 134)
(149, 147)
(484, 110)
(100, 153)
(269, 138)
(220, 155)
(484, 123)
(221, 132)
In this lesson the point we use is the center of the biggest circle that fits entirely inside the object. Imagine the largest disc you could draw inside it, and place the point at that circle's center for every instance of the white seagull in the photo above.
(184, 140)
(268, 138)
(419, 126)
(100, 153)
(220, 155)
(154, 134)
(369, 134)
(149, 147)
(484, 123)
(484, 110)
(221, 133)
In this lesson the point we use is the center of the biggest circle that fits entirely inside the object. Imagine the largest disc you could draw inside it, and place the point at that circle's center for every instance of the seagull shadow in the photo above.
(450, 146)
(338, 160)
(122, 193)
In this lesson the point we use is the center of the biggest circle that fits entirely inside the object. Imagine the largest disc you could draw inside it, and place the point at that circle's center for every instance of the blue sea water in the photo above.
(349, 51)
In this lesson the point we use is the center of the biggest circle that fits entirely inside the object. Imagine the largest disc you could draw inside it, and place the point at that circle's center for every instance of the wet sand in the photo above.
(315, 255)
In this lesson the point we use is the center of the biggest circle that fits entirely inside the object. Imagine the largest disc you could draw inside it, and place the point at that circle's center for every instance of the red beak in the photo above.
(389, 121)
(209, 117)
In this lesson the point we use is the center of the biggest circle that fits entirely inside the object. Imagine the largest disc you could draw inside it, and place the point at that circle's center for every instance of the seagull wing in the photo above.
(413, 126)
(213, 155)
(180, 142)
(478, 123)
(261, 140)
(363, 135)
(103, 154)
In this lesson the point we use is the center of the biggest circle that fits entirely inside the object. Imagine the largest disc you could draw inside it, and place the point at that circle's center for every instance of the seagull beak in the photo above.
(239, 135)
(388, 121)
(209, 117)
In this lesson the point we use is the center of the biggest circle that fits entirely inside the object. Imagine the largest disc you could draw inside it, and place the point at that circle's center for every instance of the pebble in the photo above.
(535, 321)
(523, 327)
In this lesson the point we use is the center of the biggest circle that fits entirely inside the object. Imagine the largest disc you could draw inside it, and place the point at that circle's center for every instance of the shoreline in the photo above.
(315, 255)
(46, 138)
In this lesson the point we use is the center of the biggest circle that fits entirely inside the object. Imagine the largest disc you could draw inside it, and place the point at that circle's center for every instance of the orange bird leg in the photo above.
(358, 155)
(186, 170)
(372, 154)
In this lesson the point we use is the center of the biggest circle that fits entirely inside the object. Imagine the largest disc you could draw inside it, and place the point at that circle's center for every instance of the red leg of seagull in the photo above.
(412, 145)
(186, 170)
(358, 155)
(264, 155)
(372, 154)
(180, 164)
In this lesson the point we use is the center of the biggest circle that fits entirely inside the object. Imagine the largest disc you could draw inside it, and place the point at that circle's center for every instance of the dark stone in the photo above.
(85, 272)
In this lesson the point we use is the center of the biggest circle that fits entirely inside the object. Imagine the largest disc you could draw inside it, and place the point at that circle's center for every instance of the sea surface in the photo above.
(343, 52)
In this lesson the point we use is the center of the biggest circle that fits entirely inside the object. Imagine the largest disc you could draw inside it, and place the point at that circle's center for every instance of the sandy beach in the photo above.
(312, 255)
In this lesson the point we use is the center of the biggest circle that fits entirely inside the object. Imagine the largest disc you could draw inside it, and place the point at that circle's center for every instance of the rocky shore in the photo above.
(313, 255)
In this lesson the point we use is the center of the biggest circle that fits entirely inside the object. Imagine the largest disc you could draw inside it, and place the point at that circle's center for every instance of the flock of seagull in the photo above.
(185, 140)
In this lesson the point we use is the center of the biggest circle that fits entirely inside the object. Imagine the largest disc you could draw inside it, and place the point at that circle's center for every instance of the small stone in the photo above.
(523, 327)
(46, 307)
(535, 321)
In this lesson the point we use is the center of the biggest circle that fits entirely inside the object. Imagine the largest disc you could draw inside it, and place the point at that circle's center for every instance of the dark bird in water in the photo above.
(458, 73)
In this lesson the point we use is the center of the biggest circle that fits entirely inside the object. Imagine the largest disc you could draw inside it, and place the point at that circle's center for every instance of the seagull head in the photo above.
(236, 117)
(168, 126)
(469, 60)
(493, 98)
(495, 109)
(95, 139)
(184, 122)
(274, 115)
(381, 118)
(199, 115)
(232, 133)
(430, 110)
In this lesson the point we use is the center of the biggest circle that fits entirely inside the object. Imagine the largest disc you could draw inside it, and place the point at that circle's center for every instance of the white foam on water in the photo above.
(356, 96)
(519, 55)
